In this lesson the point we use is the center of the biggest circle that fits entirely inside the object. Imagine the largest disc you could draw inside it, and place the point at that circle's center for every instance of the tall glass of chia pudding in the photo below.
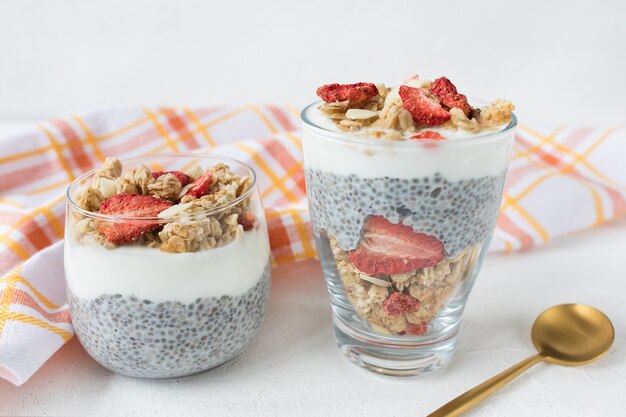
(404, 186)
(167, 263)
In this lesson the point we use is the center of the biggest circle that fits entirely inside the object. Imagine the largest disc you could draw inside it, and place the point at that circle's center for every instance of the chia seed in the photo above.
(168, 339)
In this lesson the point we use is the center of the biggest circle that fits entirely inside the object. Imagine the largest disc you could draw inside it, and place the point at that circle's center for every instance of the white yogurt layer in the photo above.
(373, 158)
(148, 273)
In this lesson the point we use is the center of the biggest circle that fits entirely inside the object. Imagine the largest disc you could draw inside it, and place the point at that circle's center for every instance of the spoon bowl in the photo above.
(566, 334)
(572, 334)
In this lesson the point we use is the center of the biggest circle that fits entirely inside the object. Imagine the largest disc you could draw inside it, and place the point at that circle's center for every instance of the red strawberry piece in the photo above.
(428, 134)
(399, 303)
(417, 329)
(129, 205)
(423, 106)
(181, 176)
(247, 219)
(387, 248)
(445, 91)
(356, 93)
(201, 185)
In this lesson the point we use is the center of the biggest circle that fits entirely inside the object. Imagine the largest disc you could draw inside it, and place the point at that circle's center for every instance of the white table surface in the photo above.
(294, 369)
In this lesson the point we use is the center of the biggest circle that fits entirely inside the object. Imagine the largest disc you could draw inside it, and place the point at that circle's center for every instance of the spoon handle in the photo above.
(464, 402)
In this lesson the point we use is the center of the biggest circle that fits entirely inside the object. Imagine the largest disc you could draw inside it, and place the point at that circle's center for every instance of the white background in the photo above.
(559, 61)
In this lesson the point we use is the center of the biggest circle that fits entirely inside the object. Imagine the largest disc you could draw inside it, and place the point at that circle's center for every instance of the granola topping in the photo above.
(102, 185)
(166, 186)
(191, 219)
(402, 112)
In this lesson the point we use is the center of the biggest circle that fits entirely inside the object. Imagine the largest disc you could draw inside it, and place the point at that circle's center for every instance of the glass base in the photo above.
(394, 359)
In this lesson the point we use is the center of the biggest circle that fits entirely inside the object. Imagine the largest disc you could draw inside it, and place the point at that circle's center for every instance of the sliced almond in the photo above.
(375, 281)
(174, 210)
(383, 90)
(184, 190)
(392, 96)
(84, 225)
(418, 83)
(360, 114)
(414, 82)
(106, 187)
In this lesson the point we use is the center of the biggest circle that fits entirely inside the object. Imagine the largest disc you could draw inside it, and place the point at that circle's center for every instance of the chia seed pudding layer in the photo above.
(141, 338)
(459, 213)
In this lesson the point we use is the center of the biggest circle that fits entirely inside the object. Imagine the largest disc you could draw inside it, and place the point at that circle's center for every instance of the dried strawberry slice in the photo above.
(387, 248)
(129, 205)
(247, 219)
(445, 91)
(201, 185)
(423, 106)
(181, 176)
(356, 93)
(399, 303)
(417, 329)
(428, 134)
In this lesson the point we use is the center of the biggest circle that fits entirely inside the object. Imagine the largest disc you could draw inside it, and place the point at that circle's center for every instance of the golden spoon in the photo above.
(567, 334)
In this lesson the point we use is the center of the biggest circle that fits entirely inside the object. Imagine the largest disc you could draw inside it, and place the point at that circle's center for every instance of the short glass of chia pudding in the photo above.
(404, 186)
(167, 263)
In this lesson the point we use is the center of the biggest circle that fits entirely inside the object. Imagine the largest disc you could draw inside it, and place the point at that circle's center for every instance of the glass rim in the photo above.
(346, 137)
(200, 214)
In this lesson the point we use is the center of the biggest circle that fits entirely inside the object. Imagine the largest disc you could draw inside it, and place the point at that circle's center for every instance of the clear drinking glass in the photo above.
(421, 194)
(144, 312)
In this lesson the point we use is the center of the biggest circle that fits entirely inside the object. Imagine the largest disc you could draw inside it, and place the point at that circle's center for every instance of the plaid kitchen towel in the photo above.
(560, 180)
